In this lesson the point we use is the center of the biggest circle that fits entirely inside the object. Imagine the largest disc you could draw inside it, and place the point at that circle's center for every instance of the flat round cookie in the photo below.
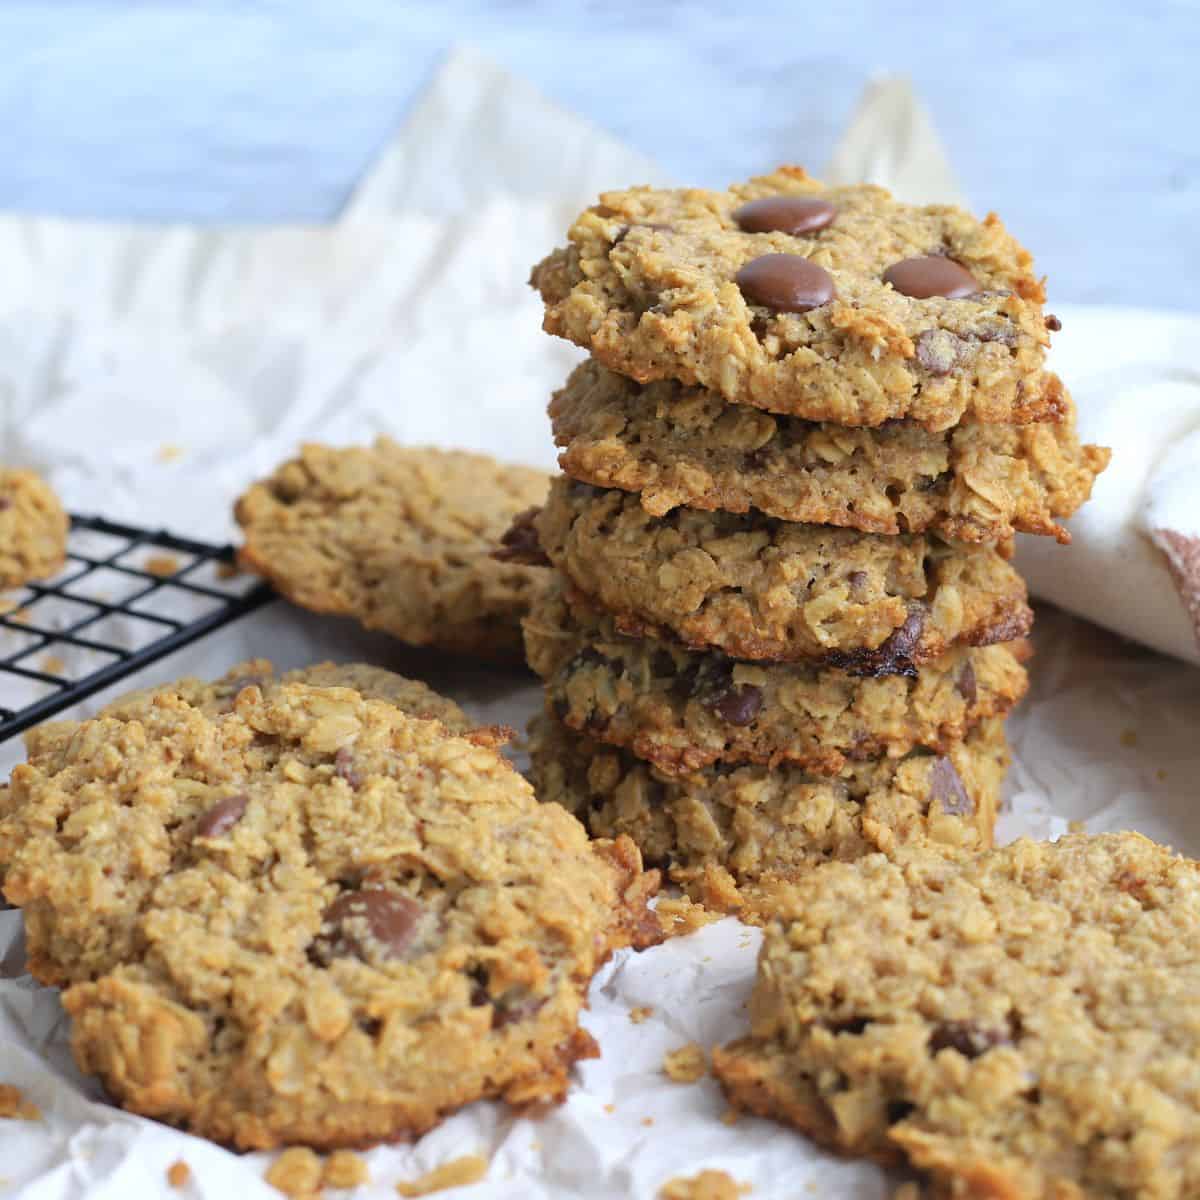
(884, 311)
(1021, 1024)
(727, 833)
(756, 588)
(678, 445)
(400, 539)
(33, 528)
(312, 918)
(684, 711)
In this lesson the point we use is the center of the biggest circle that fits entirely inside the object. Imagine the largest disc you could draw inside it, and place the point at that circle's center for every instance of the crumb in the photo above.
(228, 570)
(178, 1173)
(647, 1121)
(730, 1116)
(14, 1106)
(708, 1185)
(53, 665)
(679, 917)
(1129, 738)
(18, 616)
(610, 1108)
(1161, 774)
(907, 1191)
(344, 1169)
(296, 1172)
(640, 1013)
(1076, 827)
(686, 1064)
(161, 565)
(458, 1172)
(7, 605)
(169, 453)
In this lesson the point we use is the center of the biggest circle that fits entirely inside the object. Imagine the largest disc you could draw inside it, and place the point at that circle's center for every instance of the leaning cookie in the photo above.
(400, 539)
(33, 528)
(756, 588)
(1022, 1025)
(684, 711)
(832, 304)
(312, 918)
(677, 445)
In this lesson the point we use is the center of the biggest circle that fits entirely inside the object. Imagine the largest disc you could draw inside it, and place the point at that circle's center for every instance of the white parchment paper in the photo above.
(153, 373)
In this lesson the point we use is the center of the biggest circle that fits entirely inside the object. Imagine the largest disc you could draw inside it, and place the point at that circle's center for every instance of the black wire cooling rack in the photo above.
(126, 597)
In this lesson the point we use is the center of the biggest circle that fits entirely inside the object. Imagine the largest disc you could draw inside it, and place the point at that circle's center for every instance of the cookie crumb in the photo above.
(458, 1172)
(344, 1169)
(686, 1064)
(708, 1185)
(731, 1116)
(178, 1173)
(1129, 738)
(296, 1172)
(680, 916)
(161, 565)
(169, 453)
(610, 1108)
(907, 1191)
(640, 1013)
(14, 1106)
(647, 1121)
(1161, 774)
(53, 665)
(228, 570)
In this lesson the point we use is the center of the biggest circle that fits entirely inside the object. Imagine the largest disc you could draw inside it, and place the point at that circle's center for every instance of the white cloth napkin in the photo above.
(153, 373)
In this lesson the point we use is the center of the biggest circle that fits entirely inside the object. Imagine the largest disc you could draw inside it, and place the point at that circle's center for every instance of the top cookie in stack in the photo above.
(768, 364)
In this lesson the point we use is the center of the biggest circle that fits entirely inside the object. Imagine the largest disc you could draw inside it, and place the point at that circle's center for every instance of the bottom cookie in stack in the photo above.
(731, 833)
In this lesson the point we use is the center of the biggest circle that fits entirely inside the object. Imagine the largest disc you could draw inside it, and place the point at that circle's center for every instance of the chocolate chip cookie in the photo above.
(759, 825)
(1024, 1024)
(757, 588)
(684, 711)
(878, 311)
(399, 538)
(684, 445)
(33, 528)
(311, 918)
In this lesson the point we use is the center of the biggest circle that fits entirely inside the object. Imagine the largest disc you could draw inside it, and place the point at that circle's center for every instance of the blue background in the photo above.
(1076, 121)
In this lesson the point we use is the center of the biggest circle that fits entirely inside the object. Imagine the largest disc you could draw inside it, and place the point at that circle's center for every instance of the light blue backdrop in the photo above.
(1077, 121)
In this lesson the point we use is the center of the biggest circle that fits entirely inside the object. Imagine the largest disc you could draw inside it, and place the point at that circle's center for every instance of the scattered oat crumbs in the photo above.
(458, 1172)
(344, 1169)
(161, 565)
(647, 1121)
(686, 1064)
(169, 453)
(708, 1185)
(610, 1108)
(14, 1106)
(53, 665)
(638, 1014)
(178, 1173)
(679, 916)
(296, 1172)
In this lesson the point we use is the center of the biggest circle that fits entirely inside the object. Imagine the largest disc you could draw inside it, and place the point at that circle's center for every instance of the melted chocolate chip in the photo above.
(520, 542)
(371, 924)
(785, 214)
(222, 817)
(968, 1038)
(343, 766)
(740, 705)
(1053, 323)
(946, 788)
(966, 685)
(937, 350)
(929, 276)
(785, 283)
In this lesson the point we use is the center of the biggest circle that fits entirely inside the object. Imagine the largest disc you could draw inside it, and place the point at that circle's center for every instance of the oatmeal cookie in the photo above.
(683, 445)
(399, 538)
(311, 918)
(33, 528)
(1024, 1024)
(684, 711)
(882, 311)
(757, 588)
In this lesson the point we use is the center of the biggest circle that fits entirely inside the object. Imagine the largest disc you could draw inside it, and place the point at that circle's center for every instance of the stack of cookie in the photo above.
(784, 626)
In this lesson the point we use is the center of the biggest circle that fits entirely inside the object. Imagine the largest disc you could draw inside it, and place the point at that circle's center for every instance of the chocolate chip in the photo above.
(785, 214)
(5, 503)
(966, 685)
(937, 351)
(740, 705)
(929, 276)
(370, 924)
(857, 581)
(785, 282)
(946, 788)
(968, 1038)
(906, 639)
(343, 766)
(222, 817)
(1053, 323)
(520, 543)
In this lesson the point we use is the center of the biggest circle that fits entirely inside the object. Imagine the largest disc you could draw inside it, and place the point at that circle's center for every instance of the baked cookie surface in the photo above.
(756, 588)
(684, 711)
(33, 528)
(882, 311)
(678, 445)
(400, 539)
(1022, 1025)
(310, 918)
(749, 826)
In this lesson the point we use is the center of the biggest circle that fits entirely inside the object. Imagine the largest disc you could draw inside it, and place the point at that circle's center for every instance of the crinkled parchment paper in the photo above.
(153, 373)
